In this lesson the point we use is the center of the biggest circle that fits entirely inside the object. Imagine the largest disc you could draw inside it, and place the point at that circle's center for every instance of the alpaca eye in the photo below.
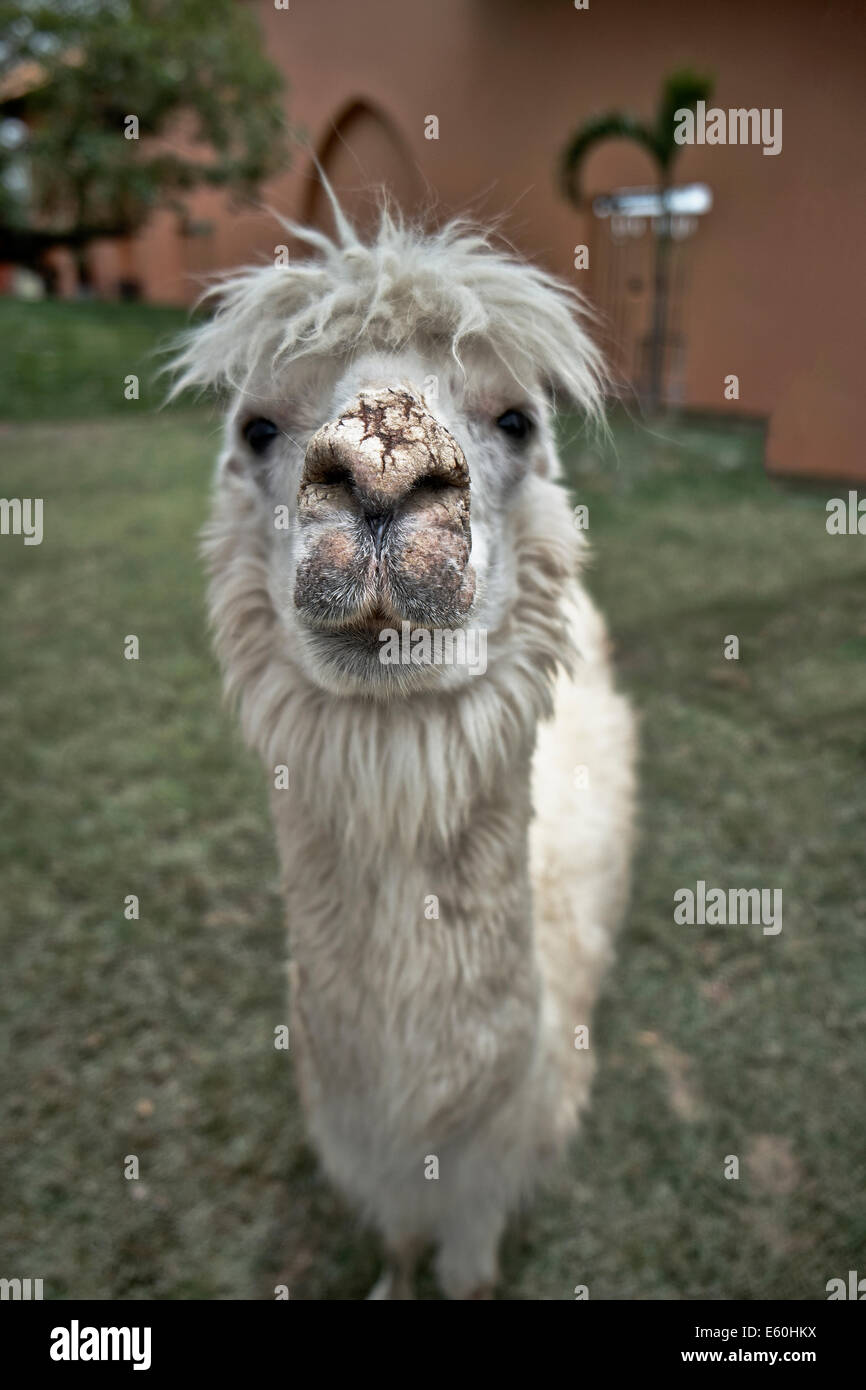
(258, 434)
(516, 424)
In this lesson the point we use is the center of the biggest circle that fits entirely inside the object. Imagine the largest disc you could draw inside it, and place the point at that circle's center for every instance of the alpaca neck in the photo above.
(388, 780)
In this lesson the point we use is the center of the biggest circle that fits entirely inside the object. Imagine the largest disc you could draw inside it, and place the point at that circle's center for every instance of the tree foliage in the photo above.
(207, 101)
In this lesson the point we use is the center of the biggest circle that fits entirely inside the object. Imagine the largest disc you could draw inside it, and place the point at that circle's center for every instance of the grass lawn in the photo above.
(154, 1037)
(69, 361)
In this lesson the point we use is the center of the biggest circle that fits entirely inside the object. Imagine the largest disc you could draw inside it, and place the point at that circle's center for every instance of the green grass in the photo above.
(154, 1037)
(64, 360)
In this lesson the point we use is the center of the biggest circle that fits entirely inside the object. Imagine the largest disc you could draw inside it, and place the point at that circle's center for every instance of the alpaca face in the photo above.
(380, 476)
(393, 482)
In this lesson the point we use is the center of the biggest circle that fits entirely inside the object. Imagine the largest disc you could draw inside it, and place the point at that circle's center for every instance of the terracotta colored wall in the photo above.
(776, 292)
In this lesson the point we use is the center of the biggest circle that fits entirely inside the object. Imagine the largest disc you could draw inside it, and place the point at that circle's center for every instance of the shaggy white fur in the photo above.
(453, 889)
(450, 286)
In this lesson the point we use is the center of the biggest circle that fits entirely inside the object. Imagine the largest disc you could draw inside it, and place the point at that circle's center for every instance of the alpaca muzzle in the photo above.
(383, 516)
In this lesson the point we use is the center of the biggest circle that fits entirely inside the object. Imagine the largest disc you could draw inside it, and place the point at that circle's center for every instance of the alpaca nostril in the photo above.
(432, 482)
(379, 526)
(335, 476)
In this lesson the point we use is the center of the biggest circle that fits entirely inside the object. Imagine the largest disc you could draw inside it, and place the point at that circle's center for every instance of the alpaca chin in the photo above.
(390, 659)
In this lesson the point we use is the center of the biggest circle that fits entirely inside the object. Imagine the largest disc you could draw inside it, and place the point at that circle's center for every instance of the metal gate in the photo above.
(627, 227)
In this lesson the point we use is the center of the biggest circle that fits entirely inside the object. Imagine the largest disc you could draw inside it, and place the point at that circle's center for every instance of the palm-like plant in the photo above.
(681, 90)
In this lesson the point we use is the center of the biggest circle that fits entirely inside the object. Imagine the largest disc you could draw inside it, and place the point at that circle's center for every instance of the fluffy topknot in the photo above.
(449, 286)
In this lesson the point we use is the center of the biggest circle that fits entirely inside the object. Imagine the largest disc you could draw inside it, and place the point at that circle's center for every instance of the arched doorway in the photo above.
(362, 152)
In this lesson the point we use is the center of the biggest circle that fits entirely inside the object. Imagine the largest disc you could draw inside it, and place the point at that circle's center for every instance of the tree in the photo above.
(681, 90)
(206, 105)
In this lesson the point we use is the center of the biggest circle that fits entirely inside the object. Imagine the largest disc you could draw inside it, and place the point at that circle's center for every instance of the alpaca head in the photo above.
(389, 417)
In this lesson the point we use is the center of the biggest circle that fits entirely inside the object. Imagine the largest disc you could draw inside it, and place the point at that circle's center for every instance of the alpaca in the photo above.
(453, 888)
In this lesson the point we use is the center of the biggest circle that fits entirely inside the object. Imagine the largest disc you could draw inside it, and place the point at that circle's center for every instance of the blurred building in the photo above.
(768, 286)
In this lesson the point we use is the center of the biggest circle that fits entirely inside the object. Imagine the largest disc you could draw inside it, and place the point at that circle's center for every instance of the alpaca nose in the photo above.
(385, 447)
